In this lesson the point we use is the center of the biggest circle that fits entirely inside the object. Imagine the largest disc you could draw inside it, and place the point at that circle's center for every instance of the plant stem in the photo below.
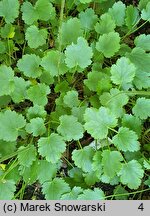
(13, 154)
(13, 165)
(131, 32)
(68, 162)
(60, 35)
(9, 52)
(70, 7)
(79, 144)
(114, 195)
(113, 130)
(130, 93)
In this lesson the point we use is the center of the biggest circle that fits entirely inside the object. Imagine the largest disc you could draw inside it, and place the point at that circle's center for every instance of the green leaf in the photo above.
(79, 54)
(4, 100)
(111, 161)
(13, 174)
(143, 41)
(20, 90)
(131, 174)
(83, 158)
(85, 1)
(73, 194)
(29, 14)
(108, 44)
(145, 15)
(115, 100)
(124, 48)
(71, 99)
(6, 80)
(76, 174)
(70, 128)
(96, 194)
(133, 155)
(9, 9)
(133, 123)
(7, 31)
(46, 171)
(35, 37)
(29, 65)
(132, 16)
(38, 94)
(105, 25)
(112, 181)
(97, 163)
(140, 59)
(7, 189)
(91, 178)
(123, 72)
(146, 164)
(36, 111)
(99, 121)
(119, 191)
(88, 18)
(53, 62)
(45, 10)
(7, 148)
(141, 79)
(30, 174)
(51, 147)
(147, 182)
(96, 80)
(26, 156)
(78, 112)
(63, 86)
(126, 140)
(55, 189)
(2, 47)
(93, 80)
(118, 12)
(36, 127)
(94, 101)
(142, 108)
(10, 123)
(46, 78)
(142, 4)
(69, 34)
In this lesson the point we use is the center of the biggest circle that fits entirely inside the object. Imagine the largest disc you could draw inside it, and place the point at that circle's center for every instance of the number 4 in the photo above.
(141, 207)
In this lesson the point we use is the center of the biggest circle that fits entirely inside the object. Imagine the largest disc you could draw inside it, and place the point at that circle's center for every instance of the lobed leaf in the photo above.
(79, 54)
(70, 128)
(123, 72)
(51, 147)
(29, 65)
(108, 44)
(26, 156)
(131, 174)
(10, 124)
(126, 140)
(35, 37)
(36, 127)
(6, 80)
(7, 188)
(97, 122)
(54, 189)
(83, 158)
(9, 9)
(142, 108)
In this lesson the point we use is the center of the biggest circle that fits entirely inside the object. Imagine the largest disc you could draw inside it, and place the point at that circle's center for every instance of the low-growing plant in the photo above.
(74, 99)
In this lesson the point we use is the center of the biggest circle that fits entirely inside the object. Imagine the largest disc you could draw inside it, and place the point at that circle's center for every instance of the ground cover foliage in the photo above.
(74, 99)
